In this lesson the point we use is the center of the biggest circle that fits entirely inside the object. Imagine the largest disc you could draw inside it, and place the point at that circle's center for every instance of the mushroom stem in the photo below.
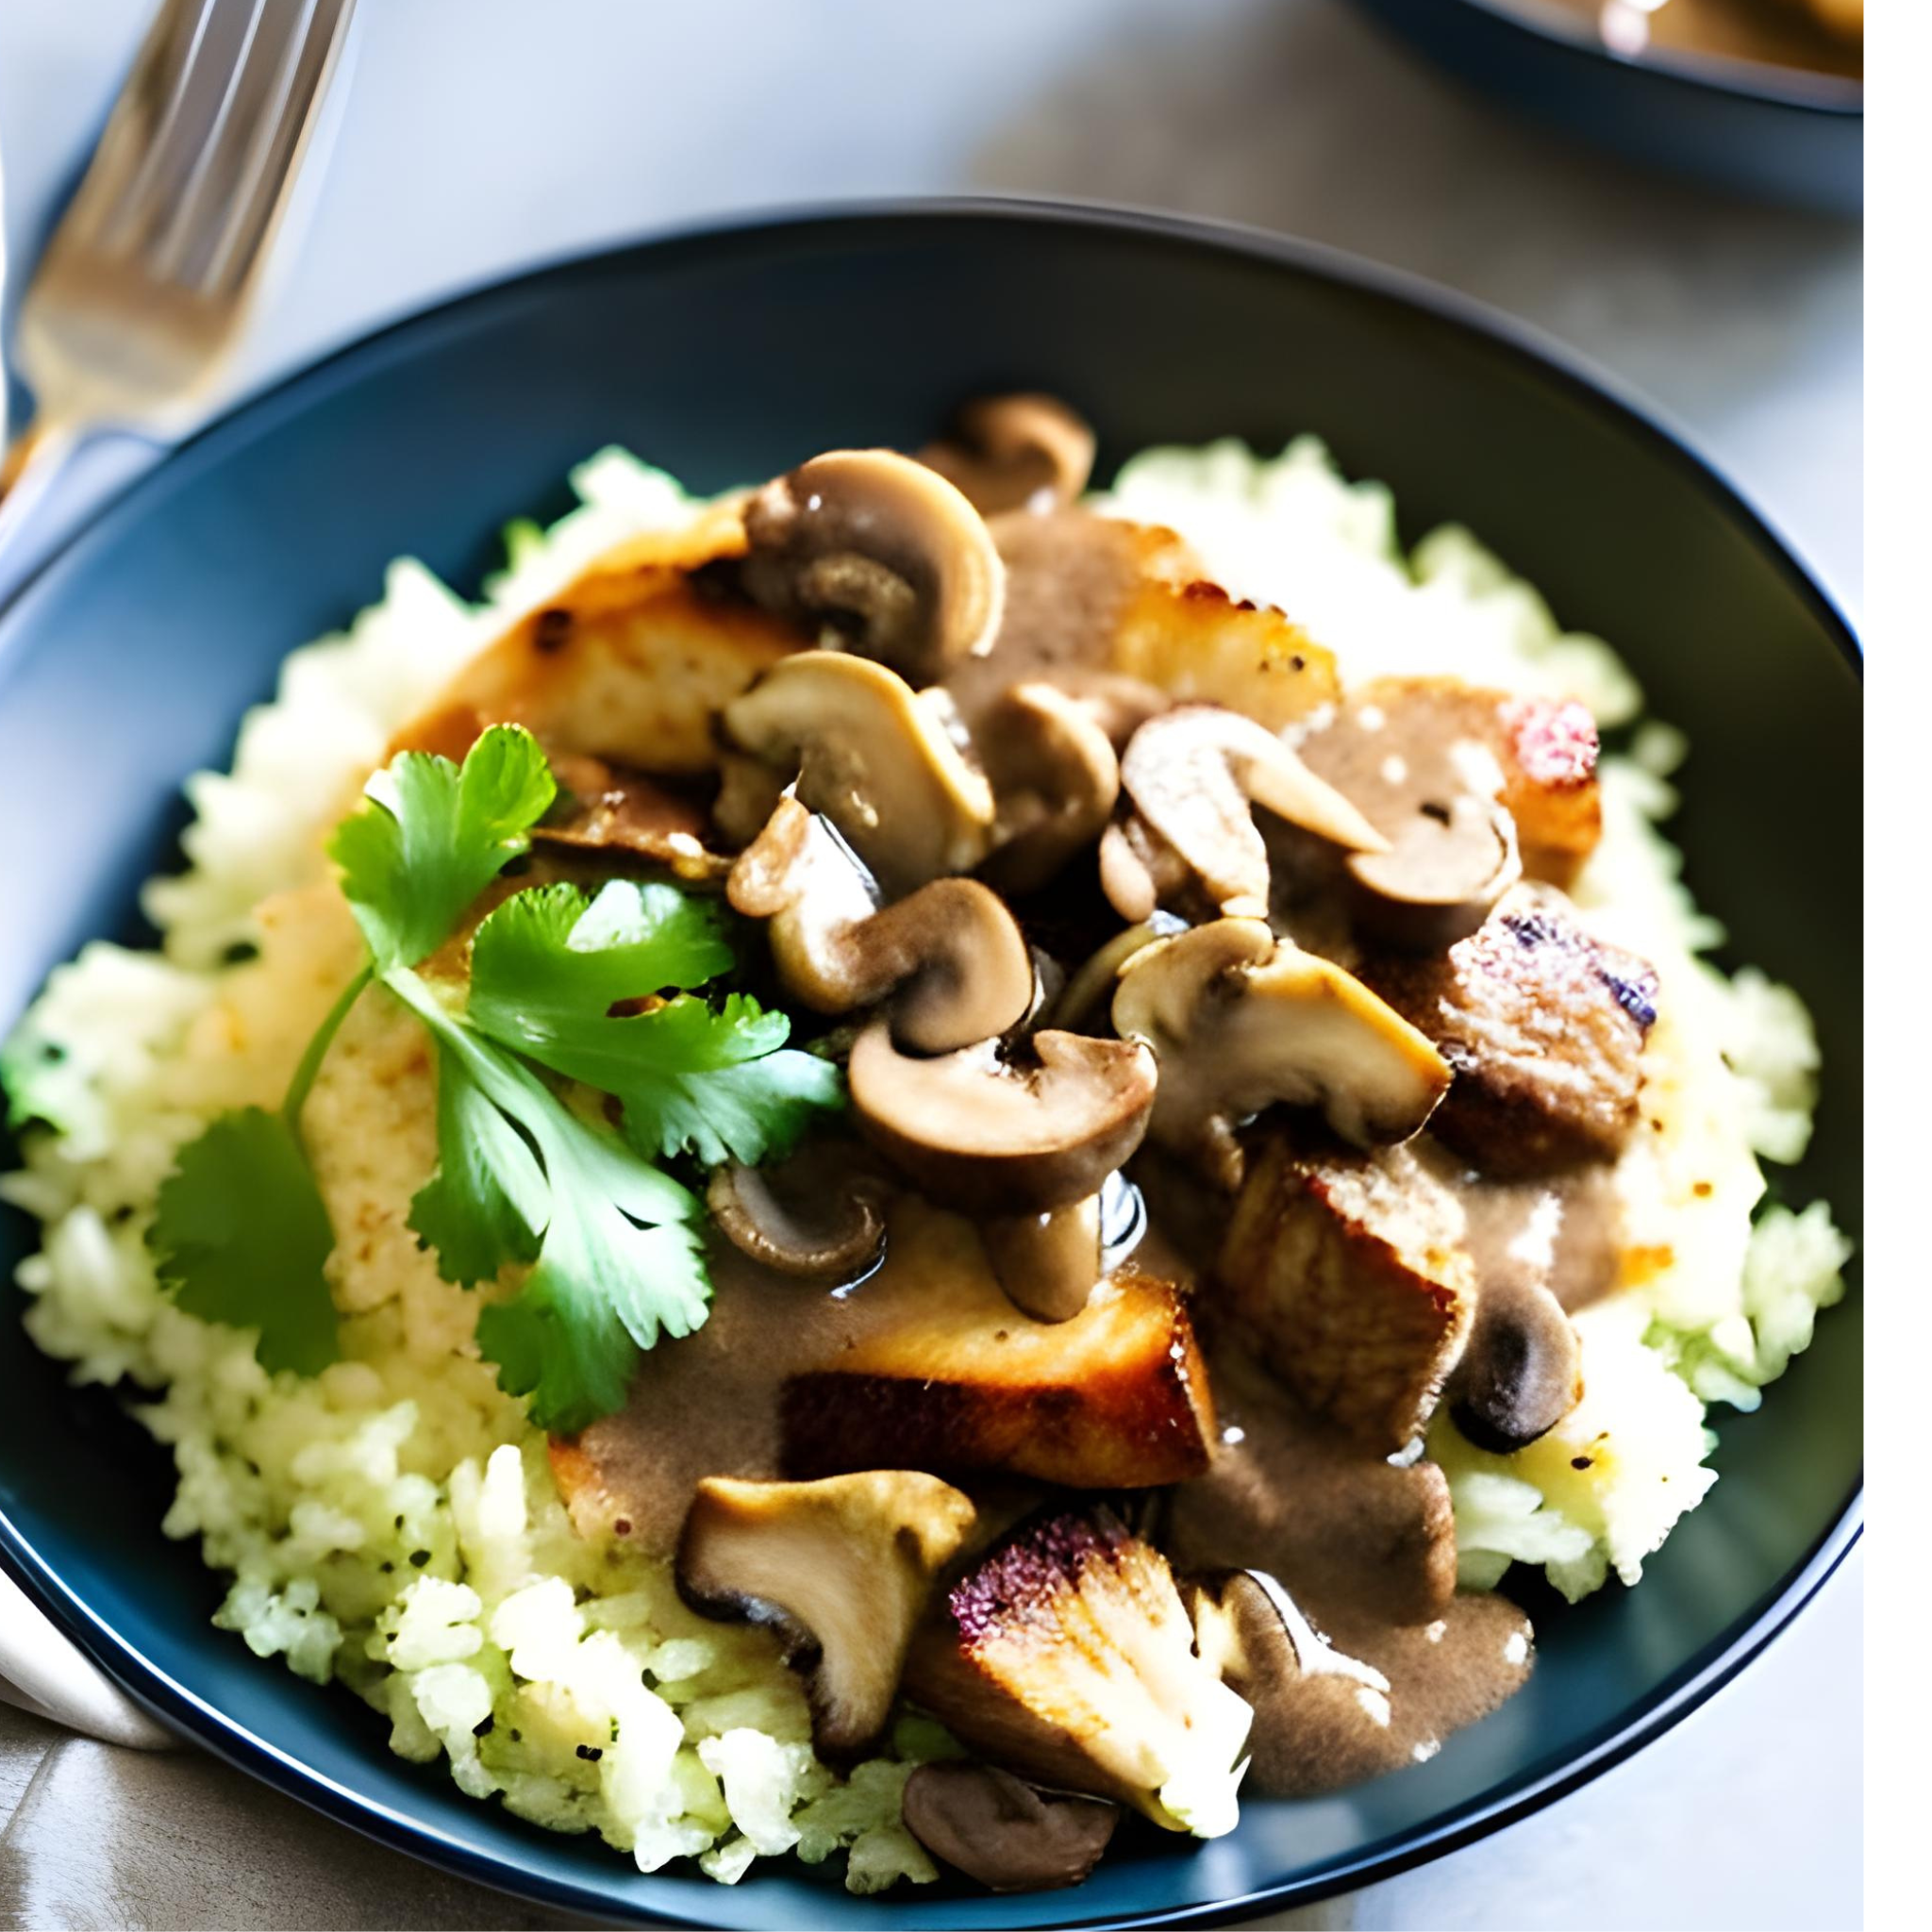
(1047, 1263)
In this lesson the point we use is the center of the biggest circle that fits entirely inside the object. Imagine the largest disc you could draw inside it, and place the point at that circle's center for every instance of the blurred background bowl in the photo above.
(1785, 134)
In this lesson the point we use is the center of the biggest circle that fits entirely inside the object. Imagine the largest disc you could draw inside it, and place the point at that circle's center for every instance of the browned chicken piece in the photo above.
(963, 1382)
(1347, 1275)
(1402, 744)
(1544, 1025)
(631, 663)
(1547, 748)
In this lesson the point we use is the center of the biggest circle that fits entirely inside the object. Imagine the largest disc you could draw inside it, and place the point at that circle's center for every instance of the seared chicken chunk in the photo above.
(1544, 1025)
(630, 664)
(1547, 748)
(1347, 1275)
(1067, 1655)
(963, 1382)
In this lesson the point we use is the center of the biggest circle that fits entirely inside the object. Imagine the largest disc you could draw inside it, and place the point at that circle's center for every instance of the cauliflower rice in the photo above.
(392, 1522)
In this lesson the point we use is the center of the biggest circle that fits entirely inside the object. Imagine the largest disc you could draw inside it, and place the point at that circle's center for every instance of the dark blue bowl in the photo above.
(732, 353)
(1772, 132)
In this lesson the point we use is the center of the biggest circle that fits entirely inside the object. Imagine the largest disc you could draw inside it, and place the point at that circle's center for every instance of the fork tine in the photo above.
(184, 207)
(142, 123)
(269, 169)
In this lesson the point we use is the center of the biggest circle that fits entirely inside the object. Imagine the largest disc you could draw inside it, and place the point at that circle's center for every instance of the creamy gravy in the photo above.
(1366, 1547)
(1564, 1232)
(1368, 1552)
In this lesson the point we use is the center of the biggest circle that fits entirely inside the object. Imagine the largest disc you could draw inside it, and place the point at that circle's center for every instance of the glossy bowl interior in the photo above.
(728, 356)
(1775, 133)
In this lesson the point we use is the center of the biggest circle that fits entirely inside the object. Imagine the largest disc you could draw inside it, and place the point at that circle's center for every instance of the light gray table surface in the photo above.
(476, 136)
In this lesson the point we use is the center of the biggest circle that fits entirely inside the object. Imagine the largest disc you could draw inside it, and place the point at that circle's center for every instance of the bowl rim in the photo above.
(257, 411)
(1804, 90)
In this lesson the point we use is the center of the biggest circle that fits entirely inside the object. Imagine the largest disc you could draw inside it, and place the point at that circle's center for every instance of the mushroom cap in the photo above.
(803, 1216)
(872, 759)
(951, 955)
(1240, 1021)
(884, 550)
(1055, 779)
(1194, 773)
(1521, 1372)
(1015, 452)
(990, 1137)
(1002, 1831)
(842, 1568)
(1440, 877)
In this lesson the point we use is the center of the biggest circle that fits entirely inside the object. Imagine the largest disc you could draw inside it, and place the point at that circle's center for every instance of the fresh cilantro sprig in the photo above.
(598, 991)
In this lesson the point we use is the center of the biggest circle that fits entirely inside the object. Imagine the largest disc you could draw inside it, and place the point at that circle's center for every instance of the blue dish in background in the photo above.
(1778, 133)
(732, 353)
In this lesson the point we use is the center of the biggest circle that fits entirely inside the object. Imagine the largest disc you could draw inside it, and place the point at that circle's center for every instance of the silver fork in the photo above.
(141, 295)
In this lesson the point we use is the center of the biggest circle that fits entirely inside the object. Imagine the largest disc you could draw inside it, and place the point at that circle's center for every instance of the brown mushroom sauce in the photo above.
(867, 1315)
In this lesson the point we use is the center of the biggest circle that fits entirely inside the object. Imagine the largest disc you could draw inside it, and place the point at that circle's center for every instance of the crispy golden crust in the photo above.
(630, 664)
(1116, 1398)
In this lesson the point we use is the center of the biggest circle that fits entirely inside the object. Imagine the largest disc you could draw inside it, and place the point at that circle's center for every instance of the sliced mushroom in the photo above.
(872, 759)
(841, 1568)
(1440, 879)
(1194, 773)
(1008, 1834)
(1239, 1021)
(1521, 1372)
(1015, 452)
(1092, 980)
(1054, 778)
(882, 549)
(990, 1136)
(807, 1216)
(1048, 1263)
(950, 955)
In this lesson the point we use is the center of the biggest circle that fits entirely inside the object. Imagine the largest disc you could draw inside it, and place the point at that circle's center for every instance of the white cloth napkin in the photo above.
(42, 1672)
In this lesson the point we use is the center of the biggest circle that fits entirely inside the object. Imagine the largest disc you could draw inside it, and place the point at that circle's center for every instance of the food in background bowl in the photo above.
(917, 1176)
(1822, 36)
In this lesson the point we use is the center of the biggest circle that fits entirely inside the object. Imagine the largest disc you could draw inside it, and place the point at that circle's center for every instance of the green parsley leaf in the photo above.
(617, 1262)
(602, 1290)
(546, 970)
(488, 1201)
(431, 837)
(240, 1234)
